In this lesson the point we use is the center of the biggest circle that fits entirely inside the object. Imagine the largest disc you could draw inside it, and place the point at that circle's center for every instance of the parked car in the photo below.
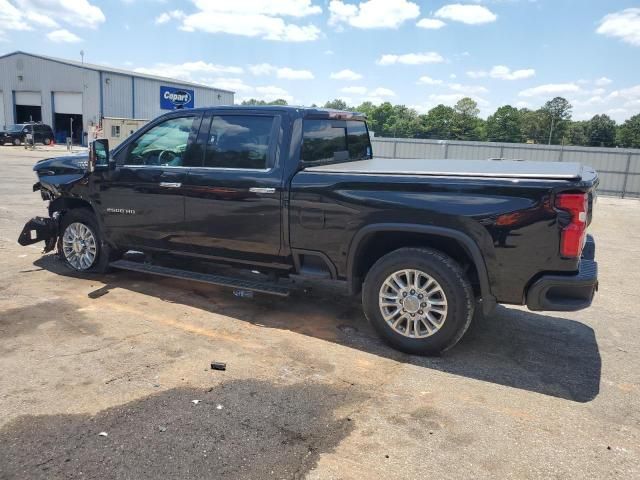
(286, 190)
(17, 134)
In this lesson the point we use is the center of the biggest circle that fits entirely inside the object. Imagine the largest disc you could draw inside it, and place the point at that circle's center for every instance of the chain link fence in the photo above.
(618, 168)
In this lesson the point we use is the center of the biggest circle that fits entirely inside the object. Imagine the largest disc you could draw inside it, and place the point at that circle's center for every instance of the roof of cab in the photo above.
(294, 109)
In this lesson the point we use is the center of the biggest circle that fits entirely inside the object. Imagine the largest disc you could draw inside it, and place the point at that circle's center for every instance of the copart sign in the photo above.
(172, 98)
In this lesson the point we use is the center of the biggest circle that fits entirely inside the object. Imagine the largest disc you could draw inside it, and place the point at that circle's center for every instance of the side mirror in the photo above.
(98, 154)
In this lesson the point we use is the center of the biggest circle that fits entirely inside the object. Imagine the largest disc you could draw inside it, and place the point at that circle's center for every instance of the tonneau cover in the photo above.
(458, 168)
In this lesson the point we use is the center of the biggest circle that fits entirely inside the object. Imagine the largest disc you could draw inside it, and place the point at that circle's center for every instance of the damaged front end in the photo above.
(40, 229)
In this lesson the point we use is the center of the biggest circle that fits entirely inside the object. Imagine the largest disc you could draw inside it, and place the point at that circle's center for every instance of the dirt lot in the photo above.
(309, 391)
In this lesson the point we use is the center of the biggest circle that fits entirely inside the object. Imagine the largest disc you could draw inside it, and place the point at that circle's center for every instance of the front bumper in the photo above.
(40, 229)
(567, 292)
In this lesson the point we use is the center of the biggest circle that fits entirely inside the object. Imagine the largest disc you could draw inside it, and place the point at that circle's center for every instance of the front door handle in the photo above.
(262, 190)
(170, 184)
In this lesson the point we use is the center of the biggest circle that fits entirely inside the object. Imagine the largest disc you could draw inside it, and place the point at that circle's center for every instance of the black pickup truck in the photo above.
(296, 191)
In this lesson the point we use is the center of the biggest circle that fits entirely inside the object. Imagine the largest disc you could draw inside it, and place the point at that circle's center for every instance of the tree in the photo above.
(337, 104)
(629, 133)
(577, 133)
(532, 125)
(557, 113)
(467, 125)
(601, 131)
(438, 122)
(505, 125)
(253, 101)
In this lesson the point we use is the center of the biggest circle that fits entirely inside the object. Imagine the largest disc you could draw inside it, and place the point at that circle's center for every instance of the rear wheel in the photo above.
(47, 141)
(80, 244)
(418, 300)
(17, 142)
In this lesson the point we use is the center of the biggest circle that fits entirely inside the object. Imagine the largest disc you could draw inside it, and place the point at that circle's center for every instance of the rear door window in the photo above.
(239, 141)
(334, 141)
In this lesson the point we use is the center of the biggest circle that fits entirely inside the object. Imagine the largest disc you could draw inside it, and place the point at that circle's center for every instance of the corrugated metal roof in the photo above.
(105, 68)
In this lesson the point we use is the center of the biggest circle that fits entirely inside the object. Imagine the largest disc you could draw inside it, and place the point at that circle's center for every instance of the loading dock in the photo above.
(67, 115)
(28, 107)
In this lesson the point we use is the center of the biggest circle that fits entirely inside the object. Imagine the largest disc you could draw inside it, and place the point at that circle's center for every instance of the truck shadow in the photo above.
(239, 429)
(539, 353)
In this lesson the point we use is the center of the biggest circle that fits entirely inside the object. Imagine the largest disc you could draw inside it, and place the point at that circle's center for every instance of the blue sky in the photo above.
(417, 53)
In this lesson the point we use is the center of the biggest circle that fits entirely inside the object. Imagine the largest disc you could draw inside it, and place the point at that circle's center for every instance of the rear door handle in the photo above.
(262, 190)
(170, 184)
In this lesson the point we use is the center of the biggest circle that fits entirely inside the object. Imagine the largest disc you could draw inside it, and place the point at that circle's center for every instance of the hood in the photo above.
(67, 165)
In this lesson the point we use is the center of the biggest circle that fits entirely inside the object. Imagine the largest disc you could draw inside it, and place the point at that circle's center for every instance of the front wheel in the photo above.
(80, 244)
(17, 142)
(418, 300)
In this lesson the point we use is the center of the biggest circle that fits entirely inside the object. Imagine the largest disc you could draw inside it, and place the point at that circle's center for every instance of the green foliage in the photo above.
(505, 125)
(337, 104)
(629, 133)
(466, 123)
(253, 101)
(601, 131)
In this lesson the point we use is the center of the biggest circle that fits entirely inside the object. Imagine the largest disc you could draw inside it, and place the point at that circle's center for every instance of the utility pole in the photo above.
(551, 130)
(71, 131)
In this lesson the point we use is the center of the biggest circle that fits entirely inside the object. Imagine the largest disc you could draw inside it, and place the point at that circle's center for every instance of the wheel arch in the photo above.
(380, 239)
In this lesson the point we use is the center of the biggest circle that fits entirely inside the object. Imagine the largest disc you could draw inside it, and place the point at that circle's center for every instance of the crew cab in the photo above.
(297, 191)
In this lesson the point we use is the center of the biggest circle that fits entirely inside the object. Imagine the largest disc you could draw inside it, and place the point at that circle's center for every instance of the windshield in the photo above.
(15, 128)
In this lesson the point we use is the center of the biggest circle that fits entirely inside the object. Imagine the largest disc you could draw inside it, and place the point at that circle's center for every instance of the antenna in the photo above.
(82, 56)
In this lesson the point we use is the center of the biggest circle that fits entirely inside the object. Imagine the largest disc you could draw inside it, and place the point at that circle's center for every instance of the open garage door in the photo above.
(67, 116)
(28, 107)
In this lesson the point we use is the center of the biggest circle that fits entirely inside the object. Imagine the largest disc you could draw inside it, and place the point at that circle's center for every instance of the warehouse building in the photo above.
(67, 94)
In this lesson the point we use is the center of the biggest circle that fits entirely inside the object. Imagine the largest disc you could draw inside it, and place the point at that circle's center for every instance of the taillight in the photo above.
(573, 235)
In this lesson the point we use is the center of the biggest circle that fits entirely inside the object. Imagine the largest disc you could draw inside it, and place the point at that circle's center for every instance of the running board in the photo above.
(231, 282)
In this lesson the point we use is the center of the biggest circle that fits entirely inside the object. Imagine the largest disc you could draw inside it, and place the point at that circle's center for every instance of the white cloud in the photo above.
(233, 84)
(345, 74)
(603, 82)
(624, 25)
(550, 89)
(469, 14)
(253, 18)
(426, 80)
(382, 92)
(477, 74)
(27, 15)
(467, 89)
(355, 90)
(270, 93)
(411, 58)
(166, 16)
(376, 93)
(373, 13)
(502, 72)
(505, 73)
(191, 71)
(63, 36)
(285, 73)
(430, 23)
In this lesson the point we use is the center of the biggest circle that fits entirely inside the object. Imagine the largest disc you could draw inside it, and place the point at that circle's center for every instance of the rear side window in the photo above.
(238, 141)
(335, 140)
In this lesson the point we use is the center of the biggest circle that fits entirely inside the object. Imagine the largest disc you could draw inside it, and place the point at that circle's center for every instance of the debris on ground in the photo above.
(162, 429)
(218, 366)
(103, 434)
(219, 407)
(195, 402)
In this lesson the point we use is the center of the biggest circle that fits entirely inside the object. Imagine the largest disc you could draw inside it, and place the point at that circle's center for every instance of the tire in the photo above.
(17, 142)
(439, 322)
(47, 141)
(91, 253)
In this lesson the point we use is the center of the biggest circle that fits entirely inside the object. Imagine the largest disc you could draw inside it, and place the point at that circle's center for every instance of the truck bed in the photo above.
(458, 168)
